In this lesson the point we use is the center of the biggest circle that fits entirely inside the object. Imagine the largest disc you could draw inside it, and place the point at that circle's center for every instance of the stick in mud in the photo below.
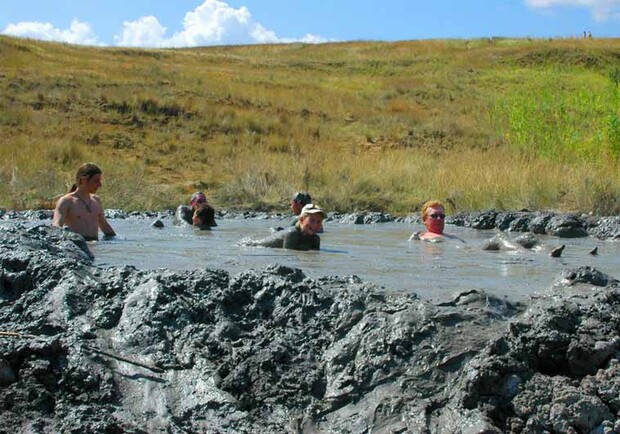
(93, 349)
(17, 335)
(124, 359)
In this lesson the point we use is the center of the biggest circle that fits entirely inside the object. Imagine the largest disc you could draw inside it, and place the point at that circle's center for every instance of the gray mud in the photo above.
(85, 349)
(535, 222)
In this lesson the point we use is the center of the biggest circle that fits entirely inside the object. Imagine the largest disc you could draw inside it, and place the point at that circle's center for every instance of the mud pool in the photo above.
(378, 253)
(110, 349)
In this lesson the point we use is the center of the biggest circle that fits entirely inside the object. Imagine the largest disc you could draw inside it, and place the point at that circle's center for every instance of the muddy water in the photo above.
(376, 253)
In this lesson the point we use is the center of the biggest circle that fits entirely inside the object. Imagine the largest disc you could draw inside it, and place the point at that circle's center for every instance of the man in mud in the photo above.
(298, 201)
(81, 210)
(199, 213)
(434, 219)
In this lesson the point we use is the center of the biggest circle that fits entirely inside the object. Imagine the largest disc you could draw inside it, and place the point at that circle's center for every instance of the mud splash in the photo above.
(86, 349)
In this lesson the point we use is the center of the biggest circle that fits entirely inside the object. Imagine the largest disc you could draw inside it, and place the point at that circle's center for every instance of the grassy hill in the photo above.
(488, 123)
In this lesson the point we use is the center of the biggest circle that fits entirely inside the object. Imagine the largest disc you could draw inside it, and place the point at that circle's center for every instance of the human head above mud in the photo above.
(434, 219)
(84, 174)
(198, 199)
(311, 219)
(299, 200)
(434, 216)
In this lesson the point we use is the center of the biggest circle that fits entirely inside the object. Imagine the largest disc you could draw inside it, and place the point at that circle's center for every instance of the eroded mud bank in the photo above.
(110, 350)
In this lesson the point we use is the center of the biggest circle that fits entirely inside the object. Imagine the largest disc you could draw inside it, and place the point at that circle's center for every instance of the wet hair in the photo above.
(302, 197)
(431, 204)
(87, 170)
(198, 197)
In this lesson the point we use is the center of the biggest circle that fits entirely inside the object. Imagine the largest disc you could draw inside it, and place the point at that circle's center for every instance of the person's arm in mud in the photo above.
(60, 213)
(103, 222)
(415, 236)
(454, 237)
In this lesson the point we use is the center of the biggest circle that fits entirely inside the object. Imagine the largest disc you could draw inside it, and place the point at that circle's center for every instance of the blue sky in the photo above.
(180, 23)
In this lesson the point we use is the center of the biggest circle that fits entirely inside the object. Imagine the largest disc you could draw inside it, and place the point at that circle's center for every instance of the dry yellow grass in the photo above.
(503, 124)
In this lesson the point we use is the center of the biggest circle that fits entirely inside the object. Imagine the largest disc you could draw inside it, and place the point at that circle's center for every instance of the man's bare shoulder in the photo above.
(65, 201)
(66, 197)
(64, 208)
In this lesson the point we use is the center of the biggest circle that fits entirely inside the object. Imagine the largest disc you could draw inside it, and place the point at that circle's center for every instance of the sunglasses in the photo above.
(437, 216)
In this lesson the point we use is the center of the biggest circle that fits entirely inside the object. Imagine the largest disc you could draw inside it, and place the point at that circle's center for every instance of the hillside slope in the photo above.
(489, 123)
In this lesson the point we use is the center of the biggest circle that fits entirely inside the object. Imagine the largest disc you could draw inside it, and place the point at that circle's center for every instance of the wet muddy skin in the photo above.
(117, 349)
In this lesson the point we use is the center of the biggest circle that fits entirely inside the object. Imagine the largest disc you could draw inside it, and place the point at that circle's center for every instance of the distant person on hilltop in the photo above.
(434, 218)
(199, 213)
(81, 210)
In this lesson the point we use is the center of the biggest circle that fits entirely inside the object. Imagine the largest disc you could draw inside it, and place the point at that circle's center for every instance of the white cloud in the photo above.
(308, 39)
(214, 22)
(78, 33)
(145, 32)
(601, 9)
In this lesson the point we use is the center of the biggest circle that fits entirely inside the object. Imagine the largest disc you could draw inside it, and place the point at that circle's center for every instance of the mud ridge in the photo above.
(114, 350)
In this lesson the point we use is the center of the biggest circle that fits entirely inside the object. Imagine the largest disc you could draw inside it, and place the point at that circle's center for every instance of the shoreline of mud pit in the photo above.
(122, 350)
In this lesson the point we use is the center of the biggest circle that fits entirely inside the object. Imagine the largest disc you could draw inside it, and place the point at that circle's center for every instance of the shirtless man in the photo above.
(434, 218)
(80, 210)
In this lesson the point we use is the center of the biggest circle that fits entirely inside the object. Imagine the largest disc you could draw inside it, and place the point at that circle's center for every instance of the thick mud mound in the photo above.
(85, 349)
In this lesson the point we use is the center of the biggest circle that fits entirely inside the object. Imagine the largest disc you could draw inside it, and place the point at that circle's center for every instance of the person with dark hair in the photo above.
(298, 201)
(199, 213)
(81, 210)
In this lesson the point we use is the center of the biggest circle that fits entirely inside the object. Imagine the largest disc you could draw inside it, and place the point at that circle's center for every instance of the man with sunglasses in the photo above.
(434, 218)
